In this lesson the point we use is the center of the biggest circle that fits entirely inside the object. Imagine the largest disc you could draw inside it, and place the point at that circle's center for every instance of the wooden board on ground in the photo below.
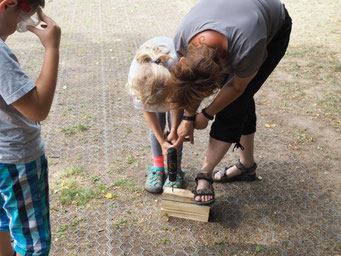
(179, 203)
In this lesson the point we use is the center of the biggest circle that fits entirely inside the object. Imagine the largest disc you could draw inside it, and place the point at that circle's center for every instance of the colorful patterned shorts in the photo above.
(24, 206)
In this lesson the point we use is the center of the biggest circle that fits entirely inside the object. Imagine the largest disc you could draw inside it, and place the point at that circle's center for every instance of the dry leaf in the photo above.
(109, 196)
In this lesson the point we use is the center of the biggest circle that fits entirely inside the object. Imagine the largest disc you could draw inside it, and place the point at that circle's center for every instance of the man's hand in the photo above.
(200, 122)
(50, 35)
(172, 136)
(186, 128)
(165, 146)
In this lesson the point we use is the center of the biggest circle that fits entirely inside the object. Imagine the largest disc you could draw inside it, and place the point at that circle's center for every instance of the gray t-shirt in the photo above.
(20, 138)
(135, 66)
(249, 25)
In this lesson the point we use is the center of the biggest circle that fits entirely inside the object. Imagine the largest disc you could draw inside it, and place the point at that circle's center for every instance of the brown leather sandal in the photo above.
(244, 176)
(204, 192)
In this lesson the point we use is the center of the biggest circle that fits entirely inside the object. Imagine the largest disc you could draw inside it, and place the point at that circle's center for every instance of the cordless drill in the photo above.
(172, 164)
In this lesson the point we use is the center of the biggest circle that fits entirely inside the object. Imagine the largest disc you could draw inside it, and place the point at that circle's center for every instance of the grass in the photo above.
(311, 84)
(291, 90)
(122, 222)
(131, 159)
(77, 221)
(163, 241)
(60, 231)
(94, 179)
(102, 187)
(79, 128)
(62, 228)
(73, 171)
(68, 131)
(116, 167)
(125, 184)
(71, 192)
(331, 102)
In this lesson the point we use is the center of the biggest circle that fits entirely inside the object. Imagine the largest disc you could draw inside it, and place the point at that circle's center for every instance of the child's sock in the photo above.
(158, 161)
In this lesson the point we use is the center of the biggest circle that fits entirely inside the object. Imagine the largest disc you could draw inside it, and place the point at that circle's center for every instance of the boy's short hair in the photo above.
(34, 3)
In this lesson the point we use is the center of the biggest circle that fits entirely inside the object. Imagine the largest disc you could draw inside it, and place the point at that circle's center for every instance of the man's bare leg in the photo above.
(246, 156)
(215, 152)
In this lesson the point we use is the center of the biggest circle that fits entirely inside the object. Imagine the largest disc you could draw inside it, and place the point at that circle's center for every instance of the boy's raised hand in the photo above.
(50, 35)
(36, 104)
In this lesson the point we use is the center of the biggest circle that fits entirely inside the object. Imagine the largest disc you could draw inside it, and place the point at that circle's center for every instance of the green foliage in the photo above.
(71, 192)
(125, 184)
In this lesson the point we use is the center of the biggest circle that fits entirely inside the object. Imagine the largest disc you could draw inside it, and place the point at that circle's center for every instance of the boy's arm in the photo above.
(36, 104)
(154, 125)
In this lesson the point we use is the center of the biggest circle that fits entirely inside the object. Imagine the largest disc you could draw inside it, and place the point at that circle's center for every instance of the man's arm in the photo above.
(36, 104)
(229, 93)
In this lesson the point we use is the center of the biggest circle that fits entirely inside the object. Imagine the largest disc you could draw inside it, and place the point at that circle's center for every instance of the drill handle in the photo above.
(172, 164)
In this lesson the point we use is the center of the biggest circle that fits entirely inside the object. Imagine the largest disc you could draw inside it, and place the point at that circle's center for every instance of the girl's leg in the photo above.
(156, 173)
(156, 148)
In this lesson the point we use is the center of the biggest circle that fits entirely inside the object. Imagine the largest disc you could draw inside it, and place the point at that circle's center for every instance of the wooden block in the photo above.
(179, 203)
(178, 195)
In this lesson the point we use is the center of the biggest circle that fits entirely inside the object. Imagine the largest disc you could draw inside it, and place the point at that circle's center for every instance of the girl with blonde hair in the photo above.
(148, 83)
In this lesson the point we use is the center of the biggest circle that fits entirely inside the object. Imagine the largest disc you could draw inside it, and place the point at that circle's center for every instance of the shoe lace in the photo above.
(156, 175)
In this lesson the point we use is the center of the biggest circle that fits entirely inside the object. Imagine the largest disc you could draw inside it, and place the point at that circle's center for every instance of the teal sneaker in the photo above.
(155, 179)
(179, 182)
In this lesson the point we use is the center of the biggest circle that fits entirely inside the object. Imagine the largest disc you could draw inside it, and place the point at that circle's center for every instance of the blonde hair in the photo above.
(150, 82)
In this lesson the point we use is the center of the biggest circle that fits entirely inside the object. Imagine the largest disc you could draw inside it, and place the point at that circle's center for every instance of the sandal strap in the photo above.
(223, 172)
(243, 169)
(203, 192)
(154, 169)
(203, 176)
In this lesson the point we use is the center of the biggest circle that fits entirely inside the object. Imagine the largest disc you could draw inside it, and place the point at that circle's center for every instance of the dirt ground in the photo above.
(98, 147)
(305, 92)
